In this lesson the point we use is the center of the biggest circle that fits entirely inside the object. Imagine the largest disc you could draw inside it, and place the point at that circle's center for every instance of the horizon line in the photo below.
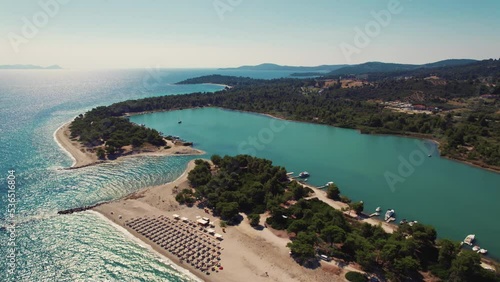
(241, 65)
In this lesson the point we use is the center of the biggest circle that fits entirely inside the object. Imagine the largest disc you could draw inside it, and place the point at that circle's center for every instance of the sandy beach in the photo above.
(80, 155)
(83, 157)
(247, 254)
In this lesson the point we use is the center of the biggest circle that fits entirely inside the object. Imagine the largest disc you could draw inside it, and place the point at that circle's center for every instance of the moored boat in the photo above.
(482, 251)
(389, 214)
(304, 174)
(469, 239)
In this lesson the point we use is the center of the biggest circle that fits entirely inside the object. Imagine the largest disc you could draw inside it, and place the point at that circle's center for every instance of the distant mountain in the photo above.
(29, 67)
(450, 63)
(275, 67)
(377, 67)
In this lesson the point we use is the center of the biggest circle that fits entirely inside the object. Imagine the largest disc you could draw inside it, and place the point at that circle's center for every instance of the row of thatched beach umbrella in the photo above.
(183, 238)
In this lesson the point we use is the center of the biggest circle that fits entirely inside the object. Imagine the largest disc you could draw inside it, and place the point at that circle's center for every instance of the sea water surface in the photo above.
(43, 246)
(386, 171)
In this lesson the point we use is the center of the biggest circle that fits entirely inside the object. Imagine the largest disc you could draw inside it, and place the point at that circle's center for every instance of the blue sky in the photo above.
(219, 33)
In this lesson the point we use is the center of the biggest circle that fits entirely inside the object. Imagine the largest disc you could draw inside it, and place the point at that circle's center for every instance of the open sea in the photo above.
(36, 244)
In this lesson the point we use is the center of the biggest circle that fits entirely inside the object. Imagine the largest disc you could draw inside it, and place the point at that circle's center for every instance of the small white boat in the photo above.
(476, 248)
(329, 183)
(469, 239)
(304, 174)
(290, 173)
(378, 209)
(482, 251)
(389, 214)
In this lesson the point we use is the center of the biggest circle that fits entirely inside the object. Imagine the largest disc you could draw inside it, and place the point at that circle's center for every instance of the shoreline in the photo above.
(338, 205)
(494, 169)
(246, 252)
(262, 249)
(83, 158)
(480, 165)
(163, 259)
(477, 164)
(112, 218)
(55, 136)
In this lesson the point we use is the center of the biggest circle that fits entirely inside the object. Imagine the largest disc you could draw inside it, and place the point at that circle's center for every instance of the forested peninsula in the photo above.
(456, 106)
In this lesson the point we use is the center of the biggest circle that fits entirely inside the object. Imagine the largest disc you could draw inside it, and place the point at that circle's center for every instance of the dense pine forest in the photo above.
(98, 128)
(245, 184)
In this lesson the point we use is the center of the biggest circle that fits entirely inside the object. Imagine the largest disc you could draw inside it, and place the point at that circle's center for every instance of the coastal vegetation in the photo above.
(97, 128)
(333, 192)
(466, 124)
(245, 184)
(463, 116)
(225, 80)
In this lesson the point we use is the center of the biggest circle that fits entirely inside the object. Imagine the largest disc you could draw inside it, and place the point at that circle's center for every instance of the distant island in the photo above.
(29, 67)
